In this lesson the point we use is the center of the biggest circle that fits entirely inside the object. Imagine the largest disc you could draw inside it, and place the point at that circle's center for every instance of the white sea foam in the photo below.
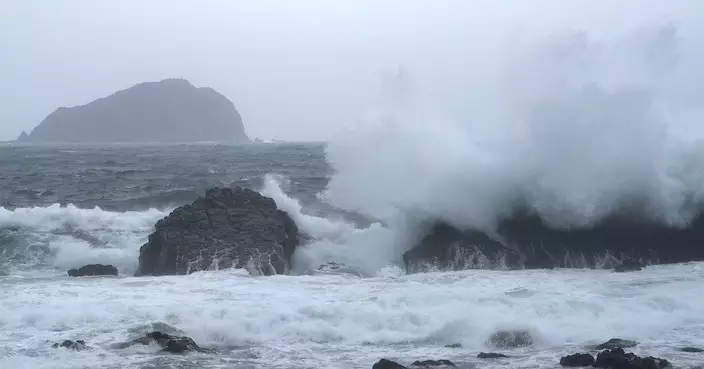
(352, 322)
(75, 237)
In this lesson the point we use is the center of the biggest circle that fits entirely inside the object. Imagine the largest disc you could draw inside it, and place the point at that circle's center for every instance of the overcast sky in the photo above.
(296, 70)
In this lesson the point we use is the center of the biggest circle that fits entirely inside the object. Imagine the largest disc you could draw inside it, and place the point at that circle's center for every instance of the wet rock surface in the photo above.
(93, 270)
(490, 355)
(77, 345)
(227, 228)
(577, 360)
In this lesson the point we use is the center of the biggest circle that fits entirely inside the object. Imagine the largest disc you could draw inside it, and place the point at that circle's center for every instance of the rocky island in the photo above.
(168, 111)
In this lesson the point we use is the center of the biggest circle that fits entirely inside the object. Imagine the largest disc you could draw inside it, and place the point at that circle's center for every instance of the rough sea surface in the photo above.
(63, 207)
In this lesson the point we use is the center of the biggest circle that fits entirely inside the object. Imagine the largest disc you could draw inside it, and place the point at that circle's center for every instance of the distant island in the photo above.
(168, 111)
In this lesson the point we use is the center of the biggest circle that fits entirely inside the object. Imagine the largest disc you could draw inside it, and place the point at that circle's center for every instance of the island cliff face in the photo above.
(168, 111)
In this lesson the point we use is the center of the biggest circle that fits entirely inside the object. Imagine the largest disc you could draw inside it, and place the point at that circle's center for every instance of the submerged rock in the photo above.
(93, 269)
(490, 355)
(168, 343)
(577, 360)
(454, 345)
(510, 339)
(618, 359)
(77, 345)
(616, 343)
(228, 227)
(432, 363)
(691, 349)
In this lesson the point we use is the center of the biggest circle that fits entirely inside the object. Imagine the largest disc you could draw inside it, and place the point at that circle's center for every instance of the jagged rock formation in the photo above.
(526, 241)
(168, 111)
(228, 227)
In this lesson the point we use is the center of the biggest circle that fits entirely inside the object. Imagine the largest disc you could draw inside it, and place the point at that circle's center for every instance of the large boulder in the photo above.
(524, 240)
(228, 227)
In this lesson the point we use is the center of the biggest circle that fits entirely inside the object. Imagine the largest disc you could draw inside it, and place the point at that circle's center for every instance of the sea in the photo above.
(70, 205)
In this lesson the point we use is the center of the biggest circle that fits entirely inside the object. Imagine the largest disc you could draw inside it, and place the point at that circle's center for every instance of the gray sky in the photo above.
(296, 70)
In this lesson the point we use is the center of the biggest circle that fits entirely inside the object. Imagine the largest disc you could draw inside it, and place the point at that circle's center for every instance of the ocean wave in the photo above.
(63, 237)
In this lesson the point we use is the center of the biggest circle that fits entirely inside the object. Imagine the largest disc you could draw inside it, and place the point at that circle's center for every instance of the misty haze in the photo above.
(351, 184)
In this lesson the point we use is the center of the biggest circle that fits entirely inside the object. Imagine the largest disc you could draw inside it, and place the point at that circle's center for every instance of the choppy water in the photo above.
(305, 321)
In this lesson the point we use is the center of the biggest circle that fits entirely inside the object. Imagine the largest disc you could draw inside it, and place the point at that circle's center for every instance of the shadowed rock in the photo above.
(618, 359)
(228, 227)
(691, 349)
(93, 269)
(577, 360)
(526, 241)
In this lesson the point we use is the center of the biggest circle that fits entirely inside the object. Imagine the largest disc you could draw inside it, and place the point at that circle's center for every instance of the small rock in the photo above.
(454, 345)
(93, 269)
(616, 343)
(490, 355)
(618, 359)
(691, 349)
(168, 343)
(577, 360)
(510, 339)
(387, 364)
(77, 345)
(431, 363)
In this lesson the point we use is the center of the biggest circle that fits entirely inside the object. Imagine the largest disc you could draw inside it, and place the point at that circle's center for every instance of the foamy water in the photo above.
(341, 321)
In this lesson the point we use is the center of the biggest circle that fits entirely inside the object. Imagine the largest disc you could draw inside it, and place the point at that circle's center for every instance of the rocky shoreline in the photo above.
(613, 356)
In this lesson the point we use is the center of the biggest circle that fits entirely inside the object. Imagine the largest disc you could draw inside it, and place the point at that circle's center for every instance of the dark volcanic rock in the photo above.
(691, 349)
(387, 364)
(229, 227)
(510, 339)
(616, 343)
(171, 110)
(526, 241)
(71, 345)
(168, 343)
(618, 359)
(490, 355)
(577, 360)
(93, 269)
(432, 363)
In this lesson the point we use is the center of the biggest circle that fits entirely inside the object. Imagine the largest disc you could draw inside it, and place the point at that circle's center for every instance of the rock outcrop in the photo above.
(228, 227)
(168, 343)
(388, 364)
(618, 359)
(526, 241)
(78, 345)
(615, 343)
(170, 111)
(92, 270)
(577, 360)
(491, 355)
